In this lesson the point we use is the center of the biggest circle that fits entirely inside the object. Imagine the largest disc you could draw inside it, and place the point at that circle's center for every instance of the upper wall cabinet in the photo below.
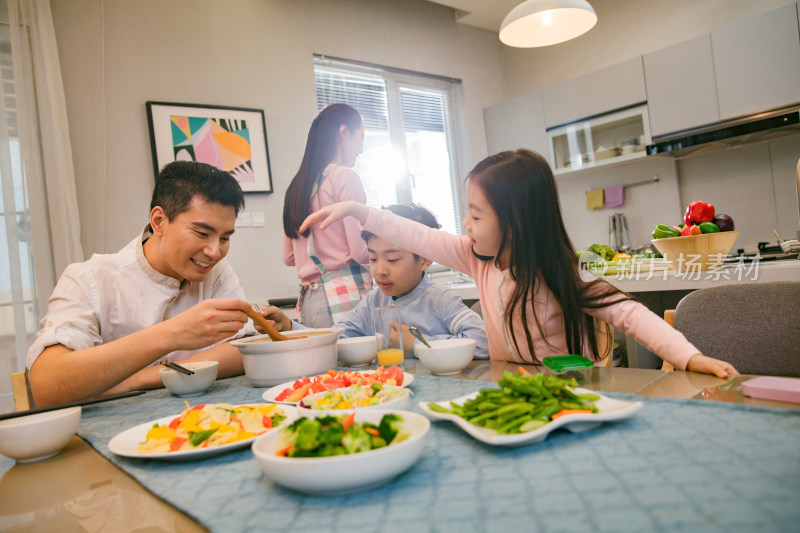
(757, 63)
(681, 90)
(516, 123)
(615, 87)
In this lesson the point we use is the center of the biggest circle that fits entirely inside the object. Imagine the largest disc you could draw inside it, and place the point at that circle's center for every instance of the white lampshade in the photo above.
(545, 22)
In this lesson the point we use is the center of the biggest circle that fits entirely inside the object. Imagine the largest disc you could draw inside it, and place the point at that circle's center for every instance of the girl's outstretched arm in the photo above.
(331, 213)
(708, 365)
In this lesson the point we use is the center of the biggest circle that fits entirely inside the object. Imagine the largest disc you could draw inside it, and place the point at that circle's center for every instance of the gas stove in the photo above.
(766, 252)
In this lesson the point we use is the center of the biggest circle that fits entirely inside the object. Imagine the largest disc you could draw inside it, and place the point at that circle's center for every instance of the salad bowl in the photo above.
(343, 474)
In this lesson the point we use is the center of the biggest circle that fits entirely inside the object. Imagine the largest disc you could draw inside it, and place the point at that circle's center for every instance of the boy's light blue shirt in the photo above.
(435, 310)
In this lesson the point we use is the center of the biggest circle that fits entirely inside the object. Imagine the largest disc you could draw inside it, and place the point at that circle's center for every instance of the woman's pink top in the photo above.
(495, 288)
(341, 243)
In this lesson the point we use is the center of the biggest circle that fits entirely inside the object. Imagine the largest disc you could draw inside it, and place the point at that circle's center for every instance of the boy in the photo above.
(400, 276)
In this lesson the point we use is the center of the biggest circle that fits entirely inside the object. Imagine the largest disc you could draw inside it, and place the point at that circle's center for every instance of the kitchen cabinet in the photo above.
(516, 123)
(603, 140)
(605, 90)
(681, 88)
(757, 63)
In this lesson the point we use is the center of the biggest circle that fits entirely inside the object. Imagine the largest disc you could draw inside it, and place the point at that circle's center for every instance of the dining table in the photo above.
(699, 456)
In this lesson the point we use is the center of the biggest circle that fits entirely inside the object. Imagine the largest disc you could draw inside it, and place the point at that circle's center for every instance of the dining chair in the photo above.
(22, 392)
(755, 326)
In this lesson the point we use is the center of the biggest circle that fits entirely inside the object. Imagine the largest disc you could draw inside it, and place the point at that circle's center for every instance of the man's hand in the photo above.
(206, 323)
(331, 213)
(277, 317)
(709, 365)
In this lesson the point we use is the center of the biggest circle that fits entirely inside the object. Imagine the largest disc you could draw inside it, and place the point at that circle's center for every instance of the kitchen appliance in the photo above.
(752, 128)
(619, 236)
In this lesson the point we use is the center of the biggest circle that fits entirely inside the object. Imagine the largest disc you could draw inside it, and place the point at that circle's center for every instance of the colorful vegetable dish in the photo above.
(355, 396)
(522, 403)
(333, 379)
(207, 425)
(339, 435)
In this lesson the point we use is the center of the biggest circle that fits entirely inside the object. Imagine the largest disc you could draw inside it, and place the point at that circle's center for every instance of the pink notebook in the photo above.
(772, 388)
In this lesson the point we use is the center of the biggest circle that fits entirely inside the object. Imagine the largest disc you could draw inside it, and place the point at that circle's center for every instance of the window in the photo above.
(410, 134)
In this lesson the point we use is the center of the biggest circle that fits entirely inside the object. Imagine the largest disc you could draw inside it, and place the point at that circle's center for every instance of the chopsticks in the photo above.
(17, 414)
(177, 367)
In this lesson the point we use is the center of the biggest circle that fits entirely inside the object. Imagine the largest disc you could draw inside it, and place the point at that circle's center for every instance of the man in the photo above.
(168, 295)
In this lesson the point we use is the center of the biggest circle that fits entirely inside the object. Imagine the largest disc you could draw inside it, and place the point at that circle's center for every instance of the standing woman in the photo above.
(329, 263)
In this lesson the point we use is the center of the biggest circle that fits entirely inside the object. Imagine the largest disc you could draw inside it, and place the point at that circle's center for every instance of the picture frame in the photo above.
(233, 139)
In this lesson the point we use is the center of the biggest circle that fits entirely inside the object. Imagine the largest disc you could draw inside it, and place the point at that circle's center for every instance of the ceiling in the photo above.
(485, 14)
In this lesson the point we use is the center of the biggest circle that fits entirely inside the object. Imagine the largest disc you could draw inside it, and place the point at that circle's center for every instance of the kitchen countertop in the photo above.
(788, 270)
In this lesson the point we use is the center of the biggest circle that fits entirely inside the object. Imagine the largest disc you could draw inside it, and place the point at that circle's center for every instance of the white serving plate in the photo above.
(343, 474)
(272, 393)
(609, 410)
(126, 443)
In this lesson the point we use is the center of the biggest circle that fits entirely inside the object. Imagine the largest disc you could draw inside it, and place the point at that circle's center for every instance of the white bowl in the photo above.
(269, 363)
(446, 357)
(39, 436)
(401, 402)
(344, 474)
(357, 351)
(180, 384)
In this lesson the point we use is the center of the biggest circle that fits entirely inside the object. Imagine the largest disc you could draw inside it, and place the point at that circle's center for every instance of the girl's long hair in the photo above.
(521, 189)
(321, 149)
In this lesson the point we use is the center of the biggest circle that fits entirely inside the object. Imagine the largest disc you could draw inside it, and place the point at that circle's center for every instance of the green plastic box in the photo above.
(572, 366)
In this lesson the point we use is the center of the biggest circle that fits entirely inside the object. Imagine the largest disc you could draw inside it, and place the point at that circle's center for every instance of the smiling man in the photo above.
(169, 294)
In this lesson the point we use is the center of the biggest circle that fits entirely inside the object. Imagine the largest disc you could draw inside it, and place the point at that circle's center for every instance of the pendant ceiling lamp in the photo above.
(545, 22)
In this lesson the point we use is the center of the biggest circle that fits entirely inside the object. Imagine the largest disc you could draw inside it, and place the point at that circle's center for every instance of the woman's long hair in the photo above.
(521, 189)
(321, 149)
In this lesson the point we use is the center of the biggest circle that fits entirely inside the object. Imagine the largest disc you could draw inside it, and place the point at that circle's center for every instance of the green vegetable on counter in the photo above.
(606, 252)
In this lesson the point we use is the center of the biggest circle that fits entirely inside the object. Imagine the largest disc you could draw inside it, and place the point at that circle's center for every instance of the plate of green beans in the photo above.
(525, 408)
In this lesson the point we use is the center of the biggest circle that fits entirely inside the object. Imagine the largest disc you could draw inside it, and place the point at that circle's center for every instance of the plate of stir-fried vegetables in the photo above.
(205, 429)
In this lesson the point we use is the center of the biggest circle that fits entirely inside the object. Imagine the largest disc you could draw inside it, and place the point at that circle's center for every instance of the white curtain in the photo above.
(39, 224)
(44, 140)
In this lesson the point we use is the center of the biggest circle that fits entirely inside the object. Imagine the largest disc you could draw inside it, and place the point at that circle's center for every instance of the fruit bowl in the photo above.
(694, 252)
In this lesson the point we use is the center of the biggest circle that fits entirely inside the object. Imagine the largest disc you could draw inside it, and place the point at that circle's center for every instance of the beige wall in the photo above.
(118, 54)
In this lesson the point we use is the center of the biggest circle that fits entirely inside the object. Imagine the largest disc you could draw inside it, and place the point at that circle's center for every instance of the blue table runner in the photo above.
(678, 465)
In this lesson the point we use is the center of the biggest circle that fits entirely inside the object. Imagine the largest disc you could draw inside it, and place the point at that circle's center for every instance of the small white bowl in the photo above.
(357, 351)
(446, 357)
(343, 474)
(268, 363)
(180, 384)
(34, 437)
(398, 403)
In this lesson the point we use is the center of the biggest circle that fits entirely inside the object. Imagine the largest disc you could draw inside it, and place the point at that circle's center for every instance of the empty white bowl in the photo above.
(446, 357)
(342, 474)
(357, 351)
(268, 363)
(180, 384)
(38, 436)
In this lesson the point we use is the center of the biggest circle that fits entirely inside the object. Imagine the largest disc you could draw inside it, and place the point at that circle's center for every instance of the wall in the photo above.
(624, 29)
(754, 184)
(116, 55)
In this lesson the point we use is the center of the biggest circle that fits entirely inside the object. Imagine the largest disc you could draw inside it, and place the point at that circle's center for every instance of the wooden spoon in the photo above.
(255, 314)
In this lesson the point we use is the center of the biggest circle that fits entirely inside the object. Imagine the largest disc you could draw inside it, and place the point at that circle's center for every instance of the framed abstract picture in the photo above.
(233, 139)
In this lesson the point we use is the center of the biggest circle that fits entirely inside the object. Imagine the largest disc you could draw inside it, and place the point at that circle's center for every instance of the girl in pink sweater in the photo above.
(517, 250)
(329, 264)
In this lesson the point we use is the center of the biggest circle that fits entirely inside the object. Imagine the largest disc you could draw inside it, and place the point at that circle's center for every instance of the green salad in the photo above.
(339, 435)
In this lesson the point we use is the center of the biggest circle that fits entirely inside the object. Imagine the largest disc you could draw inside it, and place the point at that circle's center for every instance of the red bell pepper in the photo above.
(698, 212)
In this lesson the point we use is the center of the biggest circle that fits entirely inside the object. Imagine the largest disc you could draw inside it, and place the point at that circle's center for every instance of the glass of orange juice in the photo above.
(386, 321)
